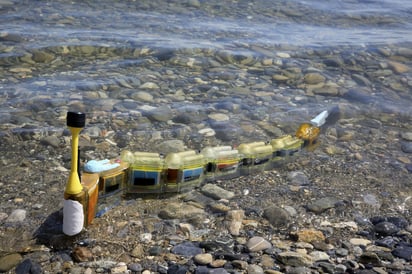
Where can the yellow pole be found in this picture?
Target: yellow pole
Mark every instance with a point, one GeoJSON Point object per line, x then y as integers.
{"type": "Point", "coordinates": [73, 185]}
{"type": "Point", "coordinates": [75, 121]}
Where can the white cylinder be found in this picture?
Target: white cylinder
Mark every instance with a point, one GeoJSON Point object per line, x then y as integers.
{"type": "Point", "coordinates": [320, 119]}
{"type": "Point", "coordinates": [73, 217]}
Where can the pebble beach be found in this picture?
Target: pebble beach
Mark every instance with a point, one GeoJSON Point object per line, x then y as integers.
{"type": "Point", "coordinates": [167, 77]}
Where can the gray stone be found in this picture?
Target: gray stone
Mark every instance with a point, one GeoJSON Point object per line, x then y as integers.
{"type": "Point", "coordinates": [314, 78]}
{"type": "Point", "coordinates": [254, 269]}
{"type": "Point", "coordinates": [406, 147]}
{"type": "Point", "coordinates": [216, 192]}
{"type": "Point", "coordinates": [218, 117]}
{"type": "Point", "coordinates": [322, 204]}
{"type": "Point", "coordinates": [407, 136]}
{"type": "Point", "coordinates": [370, 258]}
{"type": "Point", "coordinates": [319, 256]}
{"type": "Point", "coordinates": [161, 114]}
{"type": "Point", "coordinates": [18, 215]}
{"type": "Point", "coordinates": [234, 219]}
{"type": "Point", "coordinates": [142, 96]}
{"type": "Point", "coordinates": [257, 244]}
{"type": "Point", "coordinates": [406, 52]}
{"type": "Point", "coordinates": [277, 216]}
{"type": "Point", "coordinates": [298, 178]}
{"type": "Point", "coordinates": [188, 249]}
{"type": "Point", "coordinates": [171, 146]}
{"type": "Point", "coordinates": [180, 211]}
{"type": "Point", "coordinates": [52, 141]}
{"type": "Point", "coordinates": [292, 258]}
{"type": "Point", "coordinates": [28, 266]}
{"type": "Point", "coordinates": [361, 80]}
{"type": "Point", "coordinates": [386, 228]}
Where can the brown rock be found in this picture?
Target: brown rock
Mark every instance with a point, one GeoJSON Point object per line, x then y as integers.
{"type": "Point", "coordinates": [203, 259]}
{"type": "Point", "coordinates": [218, 263]}
{"type": "Point", "coordinates": [234, 220]}
{"type": "Point", "coordinates": [9, 261]}
{"type": "Point", "coordinates": [313, 78]}
{"type": "Point", "coordinates": [309, 236]}
{"type": "Point", "coordinates": [294, 259]}
{"type": "Point", "coordinates": [82, 254]}
{"type": "Point", "coordinates": [398, 67]}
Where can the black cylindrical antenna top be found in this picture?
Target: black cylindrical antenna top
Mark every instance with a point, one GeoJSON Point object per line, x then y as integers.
{"type": "Point", "coordinates": [76, 119]}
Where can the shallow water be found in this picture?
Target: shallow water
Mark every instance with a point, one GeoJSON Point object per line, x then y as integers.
{"type": "Point", "coordinates": [97, 55]}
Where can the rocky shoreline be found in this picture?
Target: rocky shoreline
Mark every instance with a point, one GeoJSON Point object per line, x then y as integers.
{"type": "Point", "coordinates": [343, 208]}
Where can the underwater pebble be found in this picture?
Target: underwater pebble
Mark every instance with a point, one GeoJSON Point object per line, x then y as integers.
{"type": "Point", "coordinates": [207, 132]}
{"type": "Point", "coordinates": [247, 98]}
{"type": "Point", "coordinates": [406, 147]}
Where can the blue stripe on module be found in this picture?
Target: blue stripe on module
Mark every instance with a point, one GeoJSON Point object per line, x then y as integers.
{"type": "Point", "coordinates": [192, 174]}
{"type": "Point", "coordinates": [153, 176]}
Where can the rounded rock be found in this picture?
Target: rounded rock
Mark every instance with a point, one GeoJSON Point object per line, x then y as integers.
{"type": "Point", "coordinates": [203, 259]}
{"type": "Point", "coordinates": [406, 147]}
{"type": "Point", "coordinates": [9, 261]}
{"type": "Point", "coordinates": [314, 78]}
{"type": "Point", "coordinates": [386, 228]}
{"type": "Point", "coordinates": [218, 117]}
{"type": "Point", "coordinates": [257, 244]}
{"type": "Point", "coordinates": [142, 96]}
{"type": "Point", "coordinates": [277, 216]}
{"type": "Point", "coordinates": [359, 241]}
{"type": "Point", "coordinates": [407, 136]}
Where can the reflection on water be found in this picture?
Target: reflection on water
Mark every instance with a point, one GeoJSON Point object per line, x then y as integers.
{"type": "Point", "coordinates": [279, 58]}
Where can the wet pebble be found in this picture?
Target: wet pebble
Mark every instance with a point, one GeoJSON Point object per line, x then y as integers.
{"type": "Point", "coordinates": [235, 218]}
{"type": "Point", "coordinates": [9, 261]}
{"type": "Point", "coordinates": [180, 211]}
{"type": "Point", "coordinates": [218, 117]}
{"type": "Point", "coordinates": [322, 204]}
{"type": "Point", "coordinates": [292, 258]}
{"type": "Point", "coordinates": [52, 141]}
{"type": "Point", "coordinates": [188, 249]}
{"type": "Point", "coordinates": [309, 235]}
{"type": "Point", "coordinates": [403, 251]}
{"type": "Point", "coordinates": [406, 147]}
{"type": "Point", "coordinates": [370, 258]}
{"type": "Point", "coordinates": [407, 136]}
{"type": "Point", "coordinates": [314, 78]}
{"type": "Point", "coordinates": [278, 217]}
{"type": "Point", "coordinates": [216, 192]}
{"type": "Point", "coordinates": [257, 243]}
{"type": "Point", "coordinates": [28, 266]}
{"type": "Point", "coordinates": [360, 241]}
{"type": "Point", "coordinates": [398, 67]}
{"type": "Point", "coordinates": [203, 259]}
{"type": "Point", "coordinates": [142, 96]}
{"type": "Point", "coordinates": [82, 254]}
